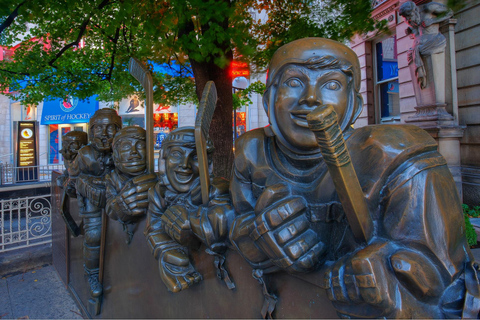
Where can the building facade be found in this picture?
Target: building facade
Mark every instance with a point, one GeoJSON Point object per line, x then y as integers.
{"type": "Point", "coordinates": [389, 94]}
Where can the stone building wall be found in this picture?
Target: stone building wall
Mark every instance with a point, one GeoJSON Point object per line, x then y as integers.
{"type": "Point", "coordinates": [467, 36]}
{"type": "Point", "coordinates": [5, 130]}
{"type": "Point", "coordinates": [467, 53]}
{"type": "Point", "coordinates": [257, 117]}
{"type": "Point", "coordinates": [467, 46]}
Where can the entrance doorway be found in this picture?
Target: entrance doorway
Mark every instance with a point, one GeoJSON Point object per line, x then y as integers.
{"type": "Point", "coordinates": [57, 131]}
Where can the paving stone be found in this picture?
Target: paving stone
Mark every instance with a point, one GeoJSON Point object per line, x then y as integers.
{"type": "Point", "coordinates": [40, 294]}
{"type": "Point", "coordinates": [5, 305]}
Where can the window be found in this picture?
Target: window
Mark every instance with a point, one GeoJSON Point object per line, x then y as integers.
{"type": "Point", "coordinates": [56, 132]}
{"type": "Point", "coordinates": [386, 81]}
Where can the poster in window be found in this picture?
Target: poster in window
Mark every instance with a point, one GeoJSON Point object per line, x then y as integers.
{"type": "Point", "coordinates": [53, 143]}
{"type": "Point", "coordinates": [131, 106]}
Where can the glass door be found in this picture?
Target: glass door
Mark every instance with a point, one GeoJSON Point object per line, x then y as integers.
{"type": "Point", "coordinates": [57, 131]}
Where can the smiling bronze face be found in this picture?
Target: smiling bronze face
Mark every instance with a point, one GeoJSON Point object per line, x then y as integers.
{"type": "Point", "coordinates": [129, 151]}
{"type": "Point", "coordinates": [130, 156]}
{"type": "Point", "coordinates": [300, 90]}
{"type": "Point", "coordinates": [303, 74]}
{"type": "Point", "coordinates": [181, 167]}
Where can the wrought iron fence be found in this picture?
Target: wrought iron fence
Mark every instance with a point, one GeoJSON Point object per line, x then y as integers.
{"type": "Point", "coordinates": [9, 174]}
{"type": "Point", "coordinates": [25, 222]}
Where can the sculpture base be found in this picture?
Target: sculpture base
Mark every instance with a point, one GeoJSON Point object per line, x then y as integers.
{"type": "Point", "coordinates": [133, 288]}
{"type": "Point", "coordinates": [94, 306]}
{"type": "Point", "coordinates": [431, 116]}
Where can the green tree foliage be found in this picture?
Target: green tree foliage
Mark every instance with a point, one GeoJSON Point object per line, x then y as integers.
{"type": "Point", "coordinates": [242, 97]}
{"type": "Point", "coordinates": [82, 47]}
{"type": "Point", "coordinates": [468, 213]}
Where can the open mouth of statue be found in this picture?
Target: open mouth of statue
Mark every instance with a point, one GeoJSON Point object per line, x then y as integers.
{"type": "Point", "coordinates": [300, 118]}
{"type": "Point", "coordinates": [184, 176]}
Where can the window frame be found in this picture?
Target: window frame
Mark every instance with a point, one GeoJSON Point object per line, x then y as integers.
{"type": "Point", "coordinates": [376, 87]}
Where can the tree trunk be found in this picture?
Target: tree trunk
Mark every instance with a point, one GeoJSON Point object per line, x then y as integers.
{"type": "Point", "coordinates": [221, 129]}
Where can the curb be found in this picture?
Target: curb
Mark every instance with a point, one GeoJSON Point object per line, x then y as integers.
{"type": "Point", "coordinates": [22, 260]}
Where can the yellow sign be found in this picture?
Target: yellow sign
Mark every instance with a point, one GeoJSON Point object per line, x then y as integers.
{"type": "Point", "coordinates": [26, 144]}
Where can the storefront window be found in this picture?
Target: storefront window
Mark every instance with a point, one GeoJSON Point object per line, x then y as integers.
{"type": "Point", "coordinates": [386, 81]}
{"type": "Point", "coordinates": [163, 123]}
{"type": "Point", "coordinates": [240, 123]}
{"type": "Point", "coordinates": [165, 120]}
{"type": "Point", "coordinates": [56, 132]}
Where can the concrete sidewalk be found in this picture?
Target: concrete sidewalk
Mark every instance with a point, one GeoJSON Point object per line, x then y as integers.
{"type": "Point", "coordinates": [36, 294]}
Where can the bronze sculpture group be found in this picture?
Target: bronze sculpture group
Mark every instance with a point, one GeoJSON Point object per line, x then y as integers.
{"type": "Point", "coordinates": [374, 210]}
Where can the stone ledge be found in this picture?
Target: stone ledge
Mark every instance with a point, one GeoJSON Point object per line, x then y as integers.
{"type": "Point", "coordinates": [21, 260]}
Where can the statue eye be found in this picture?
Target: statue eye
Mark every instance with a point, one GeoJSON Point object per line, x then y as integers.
{"type": "Point", "coordinates": [125, 146]}
{"type": "Point", "coordinates": [195, 158]}
{"type": "Point", "coordinates": [111, 130]}
{"type": "Point", "coordinates": [141, 145]}
{"type": "Point", "coordinates": [294, 83]}
{"type": "Point", "coordinates": [176, 154]}
{"type": "Point", "coordinates": [332, 85]}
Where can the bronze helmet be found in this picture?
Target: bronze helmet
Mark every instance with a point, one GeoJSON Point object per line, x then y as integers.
{"type": "Point", "coordinates": [130, 132]}
{"type": "Point", "coordinates": [105, 113]}
{"type": "Point", "coordinates": [325, 53]}
{"type": "Point", "coordinates": [184, 136]}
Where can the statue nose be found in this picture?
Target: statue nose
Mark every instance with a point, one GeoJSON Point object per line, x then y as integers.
{"type": "Point", "coordinates": [134, 150]}
{"type": "Point", "coordinates": [310, 97]}
{"type": "Point", "coordinates": [185, 162]}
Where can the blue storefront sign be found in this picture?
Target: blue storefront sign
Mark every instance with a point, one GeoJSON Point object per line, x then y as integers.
{"type": "Point", "coordinates": [70, 110]}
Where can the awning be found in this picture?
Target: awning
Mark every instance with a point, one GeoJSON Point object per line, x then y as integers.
{"type": "Point", "coordinates": [67, 111]}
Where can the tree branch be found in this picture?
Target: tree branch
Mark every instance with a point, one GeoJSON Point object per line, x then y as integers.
{"type": "Point", "coordinates": [124, 32]}
{"type": "Point", "coordinates": [103, 32]}
{"type": "Point", "coordinates": [13, 72]}
{"type": "Point", "coordinates": [82, 29]}
{"type": "Point", "coordinates": [112, 61]}
{"type": "Point", "coordinates": [8, 22]}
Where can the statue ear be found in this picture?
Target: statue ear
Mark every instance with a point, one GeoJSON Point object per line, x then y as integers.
{"type": "Point", "coordinates": [358, 106]}
{"type": "Point", "coordinates": [114, 155]}
{"type": "Point", "coordinates": [265, 100]}
{"type": "Point", "coordinates": [269, 97]}
{"type": "Point", "coordinates": [161, 163]}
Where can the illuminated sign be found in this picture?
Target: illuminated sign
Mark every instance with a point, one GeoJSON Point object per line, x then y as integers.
{"type": "Point", "coordinates": [70, 110]}
{"type": "Point", "coordinates": [239, 69]}
{"type": "Point", "coordinates": [240, 73]}
{"type": "Point", "coordinates": [27, 151]}
{"type": "Point", "coordinates": [237, 65]}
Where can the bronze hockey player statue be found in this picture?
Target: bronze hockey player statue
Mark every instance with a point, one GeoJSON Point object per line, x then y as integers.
{"type": "Point", "coordinates": [128, 184]}
{"type": "Point", "coordinates": [176, 222]}
{"type": "Point", "coordinates": [72, 141]}
{"type": "Point", "coordinates": [389, 243]}
{"type": "Point", "coordinates": [90, 167]}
